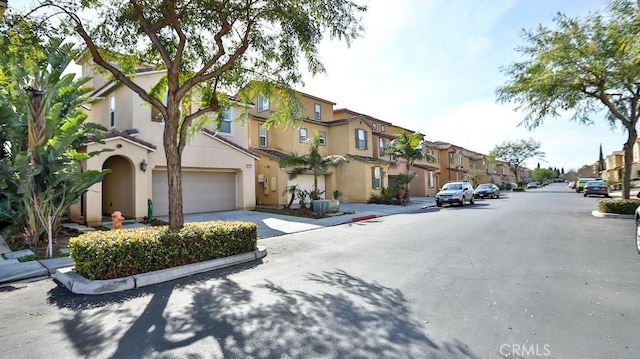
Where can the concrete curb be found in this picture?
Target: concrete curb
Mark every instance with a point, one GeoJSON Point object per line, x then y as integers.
{"type": "Point", "coordinates": [80, 285]}
{"type": "Point", "coordinates": [599, 214]}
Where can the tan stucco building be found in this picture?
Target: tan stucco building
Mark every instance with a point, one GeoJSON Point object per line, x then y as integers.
{"type": "Point", "coordinates": [218, 169]}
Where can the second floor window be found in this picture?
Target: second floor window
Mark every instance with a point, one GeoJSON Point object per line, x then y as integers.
{"type": "Point", "coordinates": [382, 128]}
{"type": "Point", "coordinates": [374, 126]}
{"type": "Point", "coordinates": [112, 111]}
{"type": "Point", "coordinates": [262, 137]}
{"type": "Point", "coordinates": [263, 103]}
{"type": "Point", "coordinates": [323, 138]}
{"type": "Point", "coordinates": [303, 134]}
{"type": "Point", "coordinates": [460, 161]}
{"type": "Point", "coordinates": [361, 139]}
{"type": "Point", "coordinates": [382, 146]}
{"type": "Point", "coordinates": [316, 111]}
{"type": "Point", "coordinates": [225, 124]}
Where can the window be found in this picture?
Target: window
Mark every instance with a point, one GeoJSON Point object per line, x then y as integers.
{"type": "Point", "coordinates": [316, 111]}
{"type": "Point", "coordinates": [262, 137]}
{"type": "Point", "coordinates": [430, 156]}
{"type": "Point", "coordinates": [376, 177]}
{"type": "Point", "coordinates": [460, 161]}
{"type": "Point", "coordinates": [431, 180]}
{"type": "Point", "coordinates": [323, 138]}
{"type": "Point", "coordinates": [450, 158]}
{"type": "Point", "coordinates": [263, 103]}
{"type": "Point", "coordinates": [472, 164]}
{"type": "Point", "coordinates": [303, 134]}
{"type": "Point", "coordinates": [112, 111]}
{"type": "Point", "coordinates": [361, 139]}
{"type": "Point", "coordinates": [374, 126]}
{"type": "Point", "coordinates": [382, 128]}
{"type": "Point", "coordinates": [225, 124]}
{"type": "Point", "coordinates": [156, 116]}
{"type": "Point", "coordinates": [382, 146]}
{"type": "Point", "coordinates": [86, 70]}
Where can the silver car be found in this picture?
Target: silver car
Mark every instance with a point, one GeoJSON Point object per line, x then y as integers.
{"type": "Point", "coordinates": [455, 193]}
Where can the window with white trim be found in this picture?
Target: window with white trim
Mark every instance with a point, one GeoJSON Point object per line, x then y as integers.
{"type": "Point", "coordinates": [376, 177]}
{"type": "Point", "coordinates": [263, 103]}
{"type": "Point", "coordinates": [382, 146]}
{"type": "Point", "coordinates": [225, 123]}
{"type": "Point", "coordinates": [374, 126]}
{"type": "Point", "coordinates": [460, 161]}
{"type": "Point", "coordinates": [323, 138]}
{"type": "Point", "coordinates": [316, 111]}
{"type": "Point", "coordinates": [361, 139]}
{"type": "Point", "coordinates": [112, 111]}
{"type": "Point", "coordinates": [431, 179]}
{"type": "Point", "coordinates": [382, 128]}
{"type": "Point", "coordinates": [262, 136]}
{"type": "Point", "coordinates": [303, 135]}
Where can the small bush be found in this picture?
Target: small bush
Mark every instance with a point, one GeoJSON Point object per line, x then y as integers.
{"type": "Point", "coordinates": [121, 253]}
{"type": "Point", "coordinates": [618, 206]}
{"type": "Point", "coordinates": [518, 189]}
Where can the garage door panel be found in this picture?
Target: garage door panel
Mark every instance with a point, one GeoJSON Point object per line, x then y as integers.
{"type": "Point", "coordinates": [201, 192]}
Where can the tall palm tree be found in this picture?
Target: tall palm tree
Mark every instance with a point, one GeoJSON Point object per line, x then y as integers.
{"type": "Point", "coordinates": [407, 145]}
{"type": "Point", "coordinates": [312, 162]}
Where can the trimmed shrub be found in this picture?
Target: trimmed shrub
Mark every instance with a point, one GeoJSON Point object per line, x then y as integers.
{"type": "Point", "coordinates": [618, 206]}
{"type": "Point", "coordinates": [121, 253]}
{"type": "Point", "coordinates": [518, 189]}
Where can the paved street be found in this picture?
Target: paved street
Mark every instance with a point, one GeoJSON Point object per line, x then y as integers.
{"type": "Point", "coordinates": [530, 274]}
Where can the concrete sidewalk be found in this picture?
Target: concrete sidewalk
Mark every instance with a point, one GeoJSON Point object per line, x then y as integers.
{"type": "Point", "coordinates": [269, 225]}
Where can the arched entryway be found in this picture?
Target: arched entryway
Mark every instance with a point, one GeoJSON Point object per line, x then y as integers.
{"type": "Point", "coordinates": [118, 187]}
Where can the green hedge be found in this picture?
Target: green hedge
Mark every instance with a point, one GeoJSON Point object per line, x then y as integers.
{"type": "Point", "coordinates": [121, 253]}
{"type": "Point", "coordinates": [618, 206]}
{"type": "Point", "coordinates": [518, 189]}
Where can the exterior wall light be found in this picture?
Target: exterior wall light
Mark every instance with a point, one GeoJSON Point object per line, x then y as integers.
{"type": "Point", "coordinates": [143, 166]}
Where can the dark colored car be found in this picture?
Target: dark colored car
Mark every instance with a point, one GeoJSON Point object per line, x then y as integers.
{"type": "Point", "coordinates": [598, 188]}
{"type": "Point", "coordinates": [487, 190]}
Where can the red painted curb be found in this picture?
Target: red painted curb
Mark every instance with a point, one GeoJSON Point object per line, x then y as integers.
{"type": "Point", "coordinates": [363, 218]}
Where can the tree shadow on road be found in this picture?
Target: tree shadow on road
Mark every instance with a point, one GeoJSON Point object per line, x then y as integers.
{"type": "Point", "coordinates": [348, 317]}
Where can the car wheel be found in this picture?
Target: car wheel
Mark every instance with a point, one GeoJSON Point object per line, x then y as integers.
{"type": "Point", "coordinates": [462, 202]}
{"type": "Point", "coordinates": [498, 195]}
{"type": "Point", "coordinates": [438, 204]}
{"type": "Point", "coordinates": [638, 235]}
{"type": "Point", "coordinates": [584, 195]}
{"type": "Point", "coordinates": [472, 201]}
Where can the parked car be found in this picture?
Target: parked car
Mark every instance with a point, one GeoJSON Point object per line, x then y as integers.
{"type": "Point", "coordinates": [572, 185]}
{"type": "Point", "coordinates": [455, 193]}
{"type": "Point", "coordinates": [532, 185]}
{"type": "Point", "coordinates": [487, 190]}
{"type": "Point", "coordinates": [637, 215]}
{"type": "Point", "coordinates": [598, 188]}
{"type": "Point", "coordinates": [583, 181]}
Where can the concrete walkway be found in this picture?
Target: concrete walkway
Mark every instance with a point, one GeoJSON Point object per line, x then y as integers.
{"type": "Point", "coordinates": [269, 225]}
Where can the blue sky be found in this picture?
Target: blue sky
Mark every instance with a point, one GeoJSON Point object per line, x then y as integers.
{"type": "Point", "coordinates": [433, 66]}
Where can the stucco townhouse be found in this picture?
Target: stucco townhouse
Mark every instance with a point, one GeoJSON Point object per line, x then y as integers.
{"type": "Point", "coordinates": [218, 169]}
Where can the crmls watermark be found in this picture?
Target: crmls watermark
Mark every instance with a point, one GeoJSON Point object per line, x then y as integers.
{"type": "Point", "coordinates": [525, 350]}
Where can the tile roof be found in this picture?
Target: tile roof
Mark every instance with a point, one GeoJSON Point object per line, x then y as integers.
{"type": "Point", "coordinates": [271, 153]}
{"type": "Point", "coordinates": [426, 167]}
{"type": "Point", "coordinates": [221, 138]}
{"type": "Point", "coordinates": [367, 159]}
{"type": "Point", "coordinates": [114, 133]}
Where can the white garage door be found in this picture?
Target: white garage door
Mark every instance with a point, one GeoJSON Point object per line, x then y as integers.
{"type": "Point", "coordinates": [201, 192]}
{"type": "Point", "coordinates": [306, 183]}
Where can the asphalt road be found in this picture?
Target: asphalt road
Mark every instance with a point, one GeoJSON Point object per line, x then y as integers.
{"type": "Point", "coordinates": [527, 275]}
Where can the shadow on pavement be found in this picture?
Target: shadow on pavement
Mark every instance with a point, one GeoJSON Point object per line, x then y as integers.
{"type": "Point", "coordinates": [348, 317]}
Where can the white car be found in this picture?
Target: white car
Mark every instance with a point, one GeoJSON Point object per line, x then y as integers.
{"type": "Point", "coordinates": [455, 193]}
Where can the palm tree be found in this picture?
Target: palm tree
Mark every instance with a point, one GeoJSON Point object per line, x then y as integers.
{"type": "Point", "coordinates": [312, 162]}
{"type": "Point", "coordinates": [408, 146]}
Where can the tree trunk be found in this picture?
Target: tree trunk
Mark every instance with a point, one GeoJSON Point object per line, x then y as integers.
{"type": "Point", "coordinates": [628, 160]}
{"type": "Point", "coordinates": [174, 176]}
